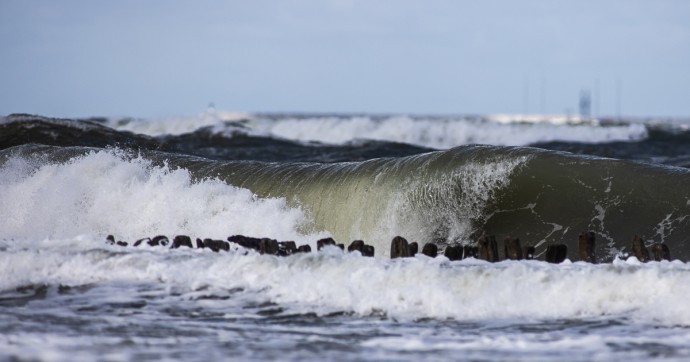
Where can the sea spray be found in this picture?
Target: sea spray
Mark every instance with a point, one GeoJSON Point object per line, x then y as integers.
{"type": "Point", "coordinates": [104, 192]}
{"type": "Point", "coordinates": [65, 294]}
{"type": "Point", "coordinates": [423, 197]}
{"type": "Point", "coordinates": [543, 197]}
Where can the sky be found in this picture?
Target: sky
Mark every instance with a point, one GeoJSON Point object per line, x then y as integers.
{"type": "Point", "coordinates": [158, 58]}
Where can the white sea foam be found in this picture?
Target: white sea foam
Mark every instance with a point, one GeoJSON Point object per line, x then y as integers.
{"type": "Point", "coordinates": [442, 133]}
{"type": "Point", "coordinates": [406, 289]}
{"type": "Point", "coordinates": [436, 132]}
{"type": "Point", "coordinates": [178, 125]}
{"type": "Point", "coordinates": [105, 192]}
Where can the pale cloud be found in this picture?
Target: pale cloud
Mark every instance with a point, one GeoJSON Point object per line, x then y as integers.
{"type": "Point", "coordinates": [154, 57]}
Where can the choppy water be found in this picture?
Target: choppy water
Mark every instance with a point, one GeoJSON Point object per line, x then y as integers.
{"type": "Point", "coordinates": [67, 295]}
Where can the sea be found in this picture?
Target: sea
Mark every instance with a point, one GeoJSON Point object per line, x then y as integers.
{"type": "Point", "coordinates": [67, 293]}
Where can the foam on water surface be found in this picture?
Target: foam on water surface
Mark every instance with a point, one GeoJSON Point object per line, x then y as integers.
{"type": "Point", "coordinates": [177, 125]}
{"type": "Point", "coordinates": [129, 303]}
{"type": "Point", "coordinates": [443, 133]}
{"type": "Point", "coordinates": [66, 295]}
{"type": "Point", "coordinates": [54, 218]}
{"type": "Point", "coordinates": [108, 192]}
{"type": "Point", "coordinates": [332, 281]}
{"type": "Point", "coordinates": [432, 132]}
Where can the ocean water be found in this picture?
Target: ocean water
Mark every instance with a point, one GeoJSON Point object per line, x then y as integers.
{"type": "Point", "coordinates": [67, 295]}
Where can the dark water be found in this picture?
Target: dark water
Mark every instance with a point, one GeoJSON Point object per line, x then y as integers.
{"type": "Point", "coordinates": [67, 295]}
{"type": "Point", "coordinates": [662, 143]}
{"type": "Point", "coordinates": [447, 197]}
{"type": "Point", "coordinates": [194, 330]}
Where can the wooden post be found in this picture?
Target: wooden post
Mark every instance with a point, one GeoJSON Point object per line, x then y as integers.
{"type": "Point", "coordinates": [368, 250]}
{"type": "Point", "coordinates": [453, 252]}
{"type": "Point", "coordinates": [469, 251]}
{"type": "Point", "coordinates": [661, 252]}
{"type": "Point", "coordinates": [287, 248]}
{"type": "Point", "coordinates": [556, 253]}
{"type": "Point", "coordinates": [413, 248]}
{"type": "Point", "coordinates": [639, 249]}
{"type": "Point", "coordinates": [399, 248]}
{"type": "Point", "coordinates": [181, 240]}
{"type": "Point", "coordinates": [587, 243]}
{"type": "Point", "coordinates": [512, 248]}
{"type": "Point", "coordinates": [268, 246]}
{"type": "Point", "coordinates": [488, 250]}
{"type": "Point", "coordinates": [323, 242]}
{"type": "Point", "coordinates": [356, 245]}
{"type": "Point", "coordinates": [246, 241]}
{"type": "Point", "coordinates": [430, 249]}
{"type": "Point", "coordinates": [304, 249]}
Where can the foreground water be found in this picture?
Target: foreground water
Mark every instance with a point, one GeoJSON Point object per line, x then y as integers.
{"type": "Point", "coordinates": [79, 300]}
{"type": "Point", "coordinates": [67, 295]}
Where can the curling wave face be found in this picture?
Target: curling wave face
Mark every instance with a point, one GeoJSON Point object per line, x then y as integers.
{"type": "Point", "coordinates": [445, 196]}
{"type": "Point", "coordinates": [65, 185]}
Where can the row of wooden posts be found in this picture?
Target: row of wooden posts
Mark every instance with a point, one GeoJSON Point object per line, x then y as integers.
{"type": "Point", "coordinates": [486, 247]}
{"type": "Point", "coordinates": [262, 245]}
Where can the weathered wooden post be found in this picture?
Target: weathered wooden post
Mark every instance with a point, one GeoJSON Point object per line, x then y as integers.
{"type": "Point", "coordinates": [323, 242]}
{"type": "Point", "coordinates": [488, 249]}
{"type": "Point", "coordinates": [140, 241]}
{"type": "Point", "coordinates": [556, 253]}
{"type": "Point", "coordinates": [453, 252]}
{"type": "Point", "coordinates": [356, 245]}
{"type": "Point", "coordinates": [216, 245]}
{"type": "Point", "coordinates": [304, 249]}
{"type": "Point", "coordinates": [287, 248]}
{"type": "Point", "coordinates": [587, 243]}
{"type": "Point", "coordinates": [268, 246]}
{"type": "Point", "coordinates": [661, 252]}
{"type": "Point", "coordinates": [413, 248]}
{"type": "Point", "coordinates": [363, 248]}
{"type": "Point", "coordinates": [512, 248]}
{"type": "Point", "coordinates": [469, 251]}
{"type": "Point", "coordinates": [181, 240]}
{"type": "Point", "coordinates": [161, 240]}
{"type": "Point", "coordinates": [246, 241]}
{"type": "Point", "coordinates": [368, 250]}
{"type": "Point", "coordinates": [639, 249]}
{"type": "Point", "coordinates": [430, 250]}
{"type": "Point", "coordinates": [399, 248]}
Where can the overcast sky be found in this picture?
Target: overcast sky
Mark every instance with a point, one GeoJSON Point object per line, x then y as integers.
{"type": "Point", "coordinates": [165, 58]}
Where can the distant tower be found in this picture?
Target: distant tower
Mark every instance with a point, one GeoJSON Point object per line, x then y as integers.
{"type": "Point", "coordinates": [585, 104]}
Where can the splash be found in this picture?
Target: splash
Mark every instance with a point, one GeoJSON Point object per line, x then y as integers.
{"type": "Point", "coordinates": [111, 192]}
